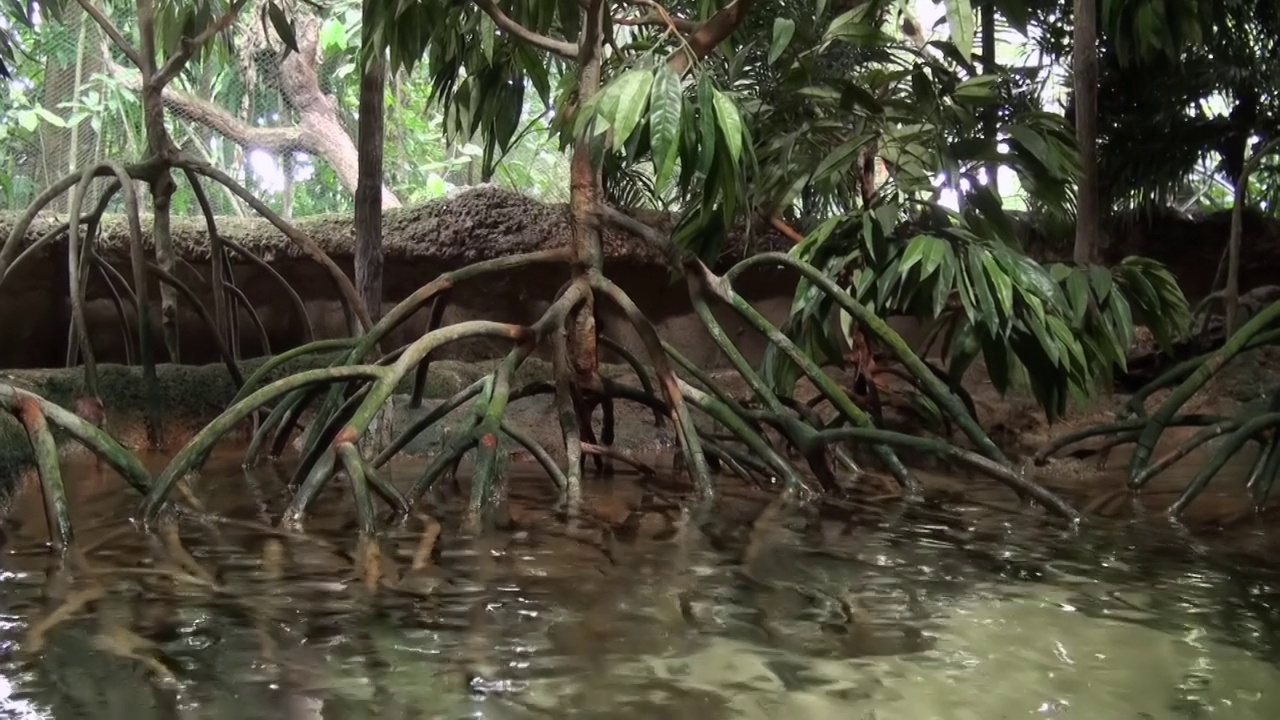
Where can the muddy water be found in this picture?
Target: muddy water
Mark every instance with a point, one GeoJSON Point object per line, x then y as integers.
{"type": "Point", "coordinates": [639, 611]}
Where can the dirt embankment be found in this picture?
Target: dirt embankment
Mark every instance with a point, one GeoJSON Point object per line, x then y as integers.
{"type": "Point", "coordinates": [423, 241]}
{"type": "Point", "coordinates": [420, 243]}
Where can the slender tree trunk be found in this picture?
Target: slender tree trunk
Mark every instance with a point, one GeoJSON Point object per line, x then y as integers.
{"type": "Point", "coordinates": [992, 120]}
{"type": "Point", "coordinates": [584, 193]}
{"type": "Point", "coordinates": [162, 187]}
{"type": "Point", "coordinates": [368, 255]}
{"type": "Point", "coordinates": [1231, 293]}
{"type": "Point", "coordinates": [1084, 64]}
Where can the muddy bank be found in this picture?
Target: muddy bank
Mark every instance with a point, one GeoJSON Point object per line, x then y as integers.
{"type": "Point", "coordinates": [421, 242]}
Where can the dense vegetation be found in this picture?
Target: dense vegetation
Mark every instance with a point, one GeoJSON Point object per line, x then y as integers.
{"type": "Point", "coordinates": [836, 124]}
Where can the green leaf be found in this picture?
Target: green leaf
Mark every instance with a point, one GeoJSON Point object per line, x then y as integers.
{"type": "Point", "coordinates": [1001, 282]}
{"type": "Point", "coordinates": [978, 89]}
{"type": "Point", "coordinates": [730, 124]}
{"type": "Point", "coordinates": [666, 103]}
{"type": "Point", "coordinates": [845, 155]}
{"type": "Point", "coordinates": [50, 118]}
{"type": "Point", "coordinates": [488, 31]}
{"type": "Point", "coordinates": [1100, 278]}
{"type": "Point", "coordinates": [783, 30]}
{"type": "Point", "coordinates": [333, 36]}
{"type": "Point", "coordinates": [1078, 295]}
{"type": "Point", "coordinates": [923, 249]}
{"type": "Point", "coordinates": [961, 19]}
{"type": "Point", "coordinates": [707, 126]}
{"type": "Point", "coordinates": [627, 98]}
{"type": "Point", "coordinates": [1033, 142]}
{"type": "Point", "coordinates": [28, 120]}
{"type": "Point", "coordinates": [282, 26]}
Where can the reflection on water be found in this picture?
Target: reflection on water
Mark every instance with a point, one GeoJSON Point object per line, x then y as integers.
{"type": "Point", "coordinates": [638, 612]}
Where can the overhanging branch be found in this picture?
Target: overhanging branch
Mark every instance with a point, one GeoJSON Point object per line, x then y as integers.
{"type": "Point", "coordinates": [190, 47]}
{"type": "Point", "coordinates": [709, 34]}
{"type": "Point", "coordinates": [112, 32]}
{"type": "Point", "coordinates": [505, 23]}
{"type": "Point", "coordinates": [222, 122]}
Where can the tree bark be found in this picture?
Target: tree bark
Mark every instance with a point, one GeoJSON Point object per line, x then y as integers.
{"type": "Point", "coordinates": [369, 188]}
{"type": "Point", "coordinates": [320, 119]}
{"type": "Point", "coordinates": [1084, 65]}
{"type": "Point", "coordinates": [584, 194]}
{"type": "Point", "coordinates": [991, 123]}
{"type": "Point", "coordinates": [320, 131]}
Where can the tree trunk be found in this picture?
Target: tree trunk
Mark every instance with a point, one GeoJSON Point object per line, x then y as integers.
{"type": "Point", "coordinates": [584, 193]}
{"type": "Point", "coordinates": [1231, 292]}
{"type": "Point", "coordinates": [991, 122]}
{"type": "Point", "coordinates": [368, 260]}
{"type": "Point", "coordinates": [319, 132]}
{"type": "Point", "coordinates": [320, 124]}
{"type": "Point", "coordinates": [1084, 65]}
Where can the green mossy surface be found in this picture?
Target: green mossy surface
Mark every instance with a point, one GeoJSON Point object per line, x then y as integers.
{"type": "Point", "coordinates": [190, 396]}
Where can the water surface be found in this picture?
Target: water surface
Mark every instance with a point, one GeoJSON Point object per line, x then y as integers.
{"type": "Point", "coordinates": [640, 611]}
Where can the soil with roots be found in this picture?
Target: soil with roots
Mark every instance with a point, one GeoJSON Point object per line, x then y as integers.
{"type": "Point", "coordinates": [481, 224]}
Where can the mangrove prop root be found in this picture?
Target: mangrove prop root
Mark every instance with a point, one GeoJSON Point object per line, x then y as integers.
{"type": "Point", "coordinates": [436, 316]}
{"type": "Point", "coordinates": [488, 468]}
{"type": "Point", "coordinates": [539, 453]}
{"type": "Point", "coordinates": [637, 367]}
{"type": "Point", "coordinates": [721, 289]}
{"type": "Point", "coordinates": [690, 444]}
{"type": "Point", "coordinates": [1209, 433]}
{"type": "Point", "coordinates": [405, 309]}
{"type": "Point", "coordinates": [46, 456]}
{"type": "Point", "coordinates": [1229, 447]}
{"type": "Point", "coordinates": [167, 279]}
{"type": "Point", "coordinates": [1023, 486]}
{"type": "Point", "coordinates": [386, 490]}
{"type": "Point", "coordinates": [98, 442]}
{"type": "Point", "coordinates": [721, 413]}
{"type": "Point", "coordinates": [1267, 477]}
{"type": "Point", "coordinates": [199, 447]}
{"type": "Point", "coordinates": [355, 469]}
{"type": "Point", "coordinates": [420, 425]}
{"type": "Point", "coordinates": [1136, 405]}
{"type": "Point", "coordinates": [299, 308]}
{"type": "Point", "coordinates": [568, 417]}
{"type": "Point", "coordinates": [320, 474]}
{"type": "Point", "coordinates": [352, 303]}
{"type": "Point", "coordinates": [1155, 427]}
{"type": "Point", "coordinates": [451, 454]}
{"type": "Point", "coordinates": [1116, 428]}
{"type": "Point", "coordinates": [935, 388]}
{"type": "Point", "coordinates": [621, 456]}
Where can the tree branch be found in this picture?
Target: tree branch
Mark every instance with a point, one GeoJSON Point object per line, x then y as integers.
{"type": "Point", "coordinates": [655, 19]}
{"type": "Point", "coordinates": [112, 32]}
{"type": "Point", "coordinates": [557, 47]}
{"type": "Point", "coordinates": [190, 47]}
{"type": "Point", "coordinates": [651, 235]}
{"type": "Point", "coordinates": [709, 34]}
{"type": "Point", "coordinates": [220, 121]}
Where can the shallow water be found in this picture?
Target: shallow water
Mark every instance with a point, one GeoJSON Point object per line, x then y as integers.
{"type": "Point", "coordinates": [900, 613]}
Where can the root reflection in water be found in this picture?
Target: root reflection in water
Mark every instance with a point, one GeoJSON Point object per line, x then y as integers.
{"type": "Point", "coordinates": [636, 609]}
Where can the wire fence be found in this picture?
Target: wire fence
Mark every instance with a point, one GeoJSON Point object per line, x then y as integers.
{"type": "Point", "coordinates": [284, 126]}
